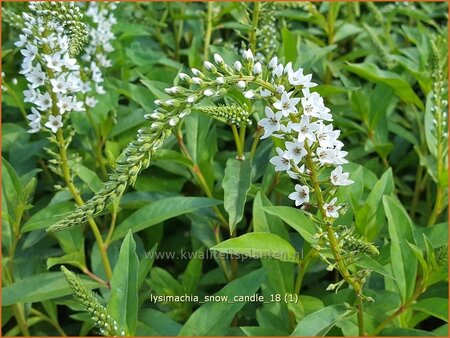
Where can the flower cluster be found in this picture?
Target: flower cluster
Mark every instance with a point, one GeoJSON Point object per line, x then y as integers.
{"type": "Point", "coordinates": [303, 122]}
{"type": "Point", "coordinates": [95, 56]}
{"type": "Point", "coordinates": [106, 324]}
{"type": "Point", "coordinates": [53, 76]}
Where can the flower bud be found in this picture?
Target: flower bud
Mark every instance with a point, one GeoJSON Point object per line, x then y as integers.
{"type": "Point", "coordinates": [208, 92]}
{"type": "Point", "coordinates": [248, 55]}
{"type": "Point", "coordinates": [218, 59]}
{"type": "Point", "coordinates": [273, 62]}
{"type": "Point", "coordinates": [238, 66]}
{"type": "Point", "coordinates": [257, 69]}
{"type": "Point", "coordinates": [242, 84]}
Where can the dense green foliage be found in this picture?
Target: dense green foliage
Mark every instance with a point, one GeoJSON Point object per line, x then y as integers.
{"type": "Point", "coordinates": [197, 209]}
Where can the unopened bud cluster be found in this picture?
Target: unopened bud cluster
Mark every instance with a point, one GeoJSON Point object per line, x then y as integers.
{"type": "Point", "coordinates": [232, 115]}
{"type": "Point", "coordinates": [69, 17]}
{"type": "Point", "coordinates": [106, 324]}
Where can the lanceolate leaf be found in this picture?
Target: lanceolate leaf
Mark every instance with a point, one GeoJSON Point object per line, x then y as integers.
{"type": "Point", "coordinates": [320, 322]}
{"type": "Point", "coordinates": [160, 211]}
{"type": "Point", "coordinates": [236, 183]}
{"type": "Point", "coordinates": [259, 245]}
{"type": "Point", "coordinates": [123, 304]}
{"type": "Point", "coordinates": [404, 264]}
{"type": "Point", "coordinates": [214, 317]}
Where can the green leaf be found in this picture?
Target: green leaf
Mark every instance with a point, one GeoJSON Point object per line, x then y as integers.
{"type": "Point", "coordinates": [214, 318]}
{"type": "Point", "coordinates": [155, 323]}
{"type": "Point", "coordinates": [40, 287]}
{"type": "Point", "coordinates": [279, 274]}
{"type": "Point", "coordinates": [192, 274]}
{"type": "Point", "coordinates": [145, 265]}
{"type": "Point", "coordinates": [369, 219]}
{"type": "Point", "coordinates": [402, 88]}
{"type": "Point", "coordinates": [320, 322]}
{"type": "Point", "coordinates": [296, 219]}
{"type": "Point", "coordinates": [123, 304]}
{"type": "Point", "coordinates": [75, 259]}
{"type": "Point", "coordinates": [404, 265]}
{"type": "Point", "coordinates": [48, 216]}
{"type": "Point", "coordinates": [259, 245]}
{"type": "Point", "coordinates": [434, 306]}
{"type": "Point", "coordinates": [89, 177]}
{"type": "Point", "coordinates": [236, 184]}
{"type": "Point", "coordinates": [160, 211]}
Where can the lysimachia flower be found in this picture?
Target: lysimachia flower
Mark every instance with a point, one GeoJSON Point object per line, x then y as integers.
{"type": "Point", "coordinates": [53, 75]}
{"type": "Point", "coordinates": [98, 48]}
{"type": "Point", "coordinates": [294, 113]}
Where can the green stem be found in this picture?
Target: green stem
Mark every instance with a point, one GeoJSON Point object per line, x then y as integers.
{"type": "Point", "coordinates": [438, 206]}
{"type": "Point", "coordinates": [222, 262]}
{"type": "Point", "coordinates": [208, 31]}
{"type": "Point", "coordinates": [77, 197]}
{"type": "Point", "coordinates": [334, 245]}
{"type": "Point", "coordinates": [256, 138]}
{"type": "Point", "coordinates": [418, 291]}
{"type": "Point", "coordinates": [417, 191]}
{"type": "Point", "coordinates": [237, 140]}
{"type": "Point", "coordinates": [196, 171]}
{"type": "Point", "coordinates": [302, 267]}
{"type": "Point", "coordinates": [255, 18]}
{"type": "Point", "coordinates": [55, 324]}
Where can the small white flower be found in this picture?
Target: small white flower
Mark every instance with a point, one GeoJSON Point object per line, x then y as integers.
{"type": "Point", "coordinates": [30, 51]}
{"type": "Point", "coordinates": [288, 68]}
{"type": "Point", "coordinates": [282, 162]}
{"type": "Point", "coordinates": [248, 55]}
{"type": "Point", "coordinates": [327, 137]}
{"type": "Point", "coordinates": [271, 123]}
{"type": "Point", "coordinates": [237, 66]}
{"type": "Point", "coordinates": [257, 69]}
{"type": "Point", "coordinates": [326, 156]}
{"type": "Point", "coordinates": [273, 62]}
{"type": "Point", "coordinates": [91, 101]}
{"type": "Point", "coordinates": [54, 62]}
{"type": "Point", "coordinates": [301, 194]}
{"type": "Point", "coordinates": [218, 59]}
{"type": "Point", "coordinates": [286, 104]}
{"type": "Point", "coordinates": [331, 210]}
{"type": "Point", "coordinates": [59, 84]}
{"type": "Point", "coordinates": [30, 95]}
{"type": "Point", "coordinates": [278, 70]}
{"type": "Point", "coordinates": [36, 77]}
{"type": "Point", "coordinates": [242, 84]}
{"type": "Point", "coordinates": [35, 116]}
{"type": "Point", "coordinates": [54, 123]}
{"type": "Point", "coordinates": [220, 80]}
{"type": "Point", "coordinates": [295, 150]}
{"type": "Point", "coordinates": [64, 104]}
{"type": "Point", "coordinates": [249, 94]}
{"type": "Point", "coordinates": [313, 105]}
{"type": "Point", "coordinates": [280, 89]}
{"type": "Point", "coordinates": [44, 101]}
{"type": "Point", "coordinates": [337, 177]}
{"type": "Point", "coordinates": [265, 93]}
{"type": "Point", "coordinates": [305, 129]}
{"type": "Point", "coordinates": [208, 92]}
